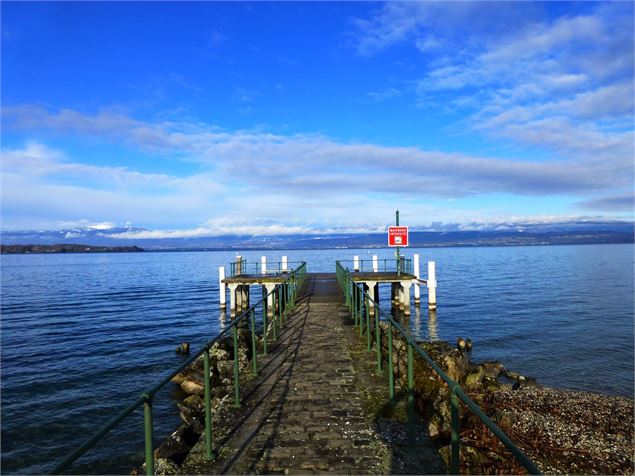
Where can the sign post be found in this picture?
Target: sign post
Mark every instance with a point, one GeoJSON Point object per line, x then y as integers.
{"type": "Point", "coordinates": [397, 237]}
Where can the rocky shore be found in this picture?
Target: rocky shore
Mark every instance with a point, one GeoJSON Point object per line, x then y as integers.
{"type": "Point", "coordinates": [173, 451]}
{"type": "Point", "coordinates": [562, 431]}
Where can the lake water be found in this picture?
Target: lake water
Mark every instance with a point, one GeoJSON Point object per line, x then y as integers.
{"type": "Point", "coordinates": [83, 334]}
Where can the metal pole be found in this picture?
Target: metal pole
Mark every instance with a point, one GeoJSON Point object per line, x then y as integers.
{"type": "Point", "coordinates": [367, 325]}
{"type": "Point", "coordinates": [264, 320]}
{"type": "Point", "coordinates": [360, 309]}
{"type": "Point", "coordinates": [236, 370]}
{"type": "Point", "coordinates": [391, 376]}
{"type": "Point", "coordinates": [208, 407]}
{"type": "Point", "coordinates": [455, 461]}
{"type": "Point", "coordinates": [377, 341]}
{"type": "Point", "coordinates": [147, 425]}
{"type": "Point", "coordinates": [398, 255]}
{"type": "Point", "coordinates": [254, 352]}
{"type": "Point", "coordinates": [411, 395]}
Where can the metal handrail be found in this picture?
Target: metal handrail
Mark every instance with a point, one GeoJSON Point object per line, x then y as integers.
{"type": "Point", "coordinates": [359, 302]}
{"type": "Point", "coordinates": [237, 268]}
{"type": "Point", "coordinates": [383, 265]}
{"type": "Point", "coordinates": [284, 295]}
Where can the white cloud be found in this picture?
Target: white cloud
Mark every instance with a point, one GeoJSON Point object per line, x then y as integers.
{"type": "Point", "coordinates": [41, 183]}
{"type": "Point", "coordinates": [260, 175]}
{"type": "Point", "coordinates": [563, 85]}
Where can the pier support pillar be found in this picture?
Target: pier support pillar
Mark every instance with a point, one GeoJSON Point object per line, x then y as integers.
{"type": "Point", "coordinates": [245, 301]}
{"type": "Point", "coordinates": [233, 291]}
{"type": "Point", "coordinates": [418, 276]}
{"type": "Point", "coordinates": [376, 293]}
{"type": "Point", "coordinates": [370, 290]}
{"type": "Point", "coordinates": [270, 301]}
{"type": "Point", "coordinates": [432, 285]}
{"type": "Point", "coordinates": [239, 300]}
{"type": "Point", "coordinates": [221, 287]}
{"type": "Point", "coordinates": [375, 264]}
{"type": "Point", "coordinates": [405, 297]}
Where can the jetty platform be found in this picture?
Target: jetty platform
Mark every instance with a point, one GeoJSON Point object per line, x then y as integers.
{"type": "Point", "coordinates": [317, 405]}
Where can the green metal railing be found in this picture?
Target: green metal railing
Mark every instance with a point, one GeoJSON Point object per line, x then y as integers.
{"type": "Point", "coordinates": [360, 302]}
{"type": "Point", "coordinates": [243, 267]}
{"type": "Point", "coordinates": [283, 296]}
{"type": "Point", "coordinates": [403, 265]}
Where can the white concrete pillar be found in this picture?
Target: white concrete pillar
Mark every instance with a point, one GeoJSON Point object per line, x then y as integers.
{"type": "Point", "coordinates": [239, 299]}
{"type": "Point", "coordinates": [418, 276]}
{"type": "Point", "coordinates": [239, 265]}
{"type": "Point", "coordinates": [245, 302]}
{"type": "Point", "coordinates": [371, 293]}
{"type": "Point", "coordinates": [269, 287]}
{"type": "Point", "coordinates": [432, 285]}
{"type": "Point", "coordinates": [232, 299]}
{"type": "Point", "coordinates": [263, 264]}
{"type": "Point", "coordinates": [221, 287]}
{"type": "Point", "coordinates": [355, 263]}
{"type": "Point", "coordinates": [284, 264]}
{"type": "Point", "coordinates": [405, 290]}
{"type": "Point", "coordinates": [375, 264]}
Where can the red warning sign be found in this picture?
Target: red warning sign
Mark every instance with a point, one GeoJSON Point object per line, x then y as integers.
{"type": "Point", "coordinates": [397, 236]}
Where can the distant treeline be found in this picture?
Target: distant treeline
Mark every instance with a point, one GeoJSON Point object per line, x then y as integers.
{"type": "Point", "coordinates": [17, 249]}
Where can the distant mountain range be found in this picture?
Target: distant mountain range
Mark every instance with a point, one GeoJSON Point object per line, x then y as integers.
{"type": "Point", "coordinates": [515, 234]}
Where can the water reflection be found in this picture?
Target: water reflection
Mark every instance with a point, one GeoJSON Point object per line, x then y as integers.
{"type": "Point", "coordinates": [222, 318]}
{"type": "Point", "coordinates": [418, 330]}
{"type": "Point", "coordinates": [432, 324]}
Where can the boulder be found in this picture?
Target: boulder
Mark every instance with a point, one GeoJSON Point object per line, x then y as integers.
{"type": "Point", "coordinates": [475, 377]}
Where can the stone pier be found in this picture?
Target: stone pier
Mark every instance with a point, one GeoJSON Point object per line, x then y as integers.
{"type": "Point", "coordinates": [317, 405]}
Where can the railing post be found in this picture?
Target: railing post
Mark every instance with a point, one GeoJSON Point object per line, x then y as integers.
{"type": "Point", "coordinates": [391, 376]}
{"type": "Point", "coordinates": [411, 395]}
{"type": "Point", "coordinates": [236, 369]}
{"type": "Point", "coordinates": [274, 314]}
{"type": "Point", "coordinates": [264, 321]}
{"type": "Point", "coordinates": [367, 314]}
{"type": "Point", "coordinates": [377, 341]}
{"type": "Point", "coordinates": [360, 309]}
{"type": "Point", "coordinates": [208, 407]}
{"type": "Point", "coordinates": [147, 426]}
{"type": "Point", "coordinates": [283, 305]}
{"type": "Point", "coordinates": [454, 403]}
{"type": "Point", "coordinates": [254, 352]}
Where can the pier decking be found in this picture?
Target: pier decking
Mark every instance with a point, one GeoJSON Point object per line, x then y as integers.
{"type": "Point", "coordinates": [317, 406]}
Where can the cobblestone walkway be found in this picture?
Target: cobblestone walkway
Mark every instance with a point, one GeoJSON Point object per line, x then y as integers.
{"type": "Point", "coordinates": [307, 412]}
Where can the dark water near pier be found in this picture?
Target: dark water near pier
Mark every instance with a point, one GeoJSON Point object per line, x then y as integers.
{"type": "Point", "coordinates": [83, 335]}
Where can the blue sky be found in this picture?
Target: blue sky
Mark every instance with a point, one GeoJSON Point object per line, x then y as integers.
{"type": "Point", "coordinates": [203, 118]}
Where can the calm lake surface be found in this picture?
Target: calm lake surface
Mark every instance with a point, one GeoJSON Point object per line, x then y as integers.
{"type": "Point", "coordinates": [82, 335]}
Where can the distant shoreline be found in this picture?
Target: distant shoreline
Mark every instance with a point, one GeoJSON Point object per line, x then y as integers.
{"type": "Point", "coordinates": [48, 249]}
{"type": "Point", "coordinates": [76, 249]}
